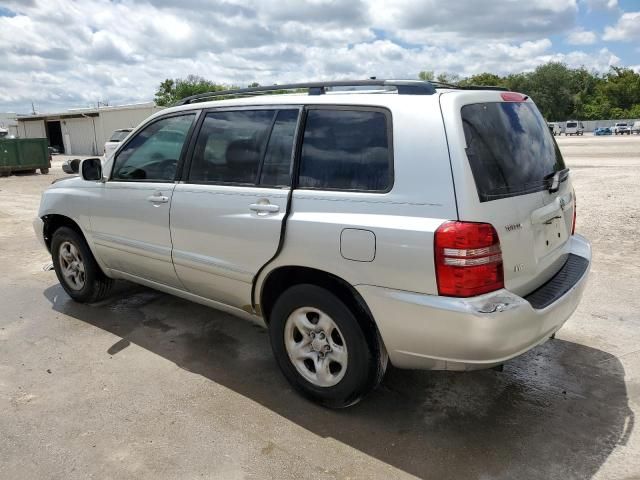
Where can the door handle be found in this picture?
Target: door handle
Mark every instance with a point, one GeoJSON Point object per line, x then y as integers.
{"type": "Point", "coordinates": [264, 208]}
{"type": "Point", "coordinates": [158, 198]}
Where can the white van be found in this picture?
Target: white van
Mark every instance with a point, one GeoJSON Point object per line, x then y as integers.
{"type": "Point", "coordinates": [574, 127]}
{"type": "Point", "coordinates": [555, 128]}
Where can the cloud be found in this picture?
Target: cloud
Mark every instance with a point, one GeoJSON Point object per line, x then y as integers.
{"type": "Point", "coordinates": [626, 30]}
{"type": "Point", "coordinates": [581, 37]}
{"type": "Point", "coordinates": [600, 4]}
{"type": "Point", "coordinates": [64, 54]}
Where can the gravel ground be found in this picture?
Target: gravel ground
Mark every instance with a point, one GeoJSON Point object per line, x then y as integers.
{"type": "Point", "coordinates": [145, 385]}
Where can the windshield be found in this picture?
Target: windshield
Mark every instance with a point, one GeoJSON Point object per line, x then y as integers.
{"type": "Point", "coordinates": [119, 135]}
{"type": "Point", "coordinates": [510, 149]}
{"type": "Point", "coordinates": [572, 124]}
{"type": "Point", "coordinates": [622, 124]}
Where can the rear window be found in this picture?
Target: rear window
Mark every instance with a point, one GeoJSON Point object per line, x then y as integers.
{"type": "Point", "coordinates": [510, 149]}
{"type": "Point", "coordinates": [572, 124]}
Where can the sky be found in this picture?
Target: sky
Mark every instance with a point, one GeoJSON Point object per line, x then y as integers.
{"type": "Point", "coordinates": [63, 54]}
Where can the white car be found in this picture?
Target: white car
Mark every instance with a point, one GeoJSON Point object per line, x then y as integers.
{"type": "Point", "coordinates": [429, 227]}
{"type": "Point", "coordinates": [116, 138]}
{"type": "Point", "coordinates": [555, 128]}
{"type": "Point", "coordinates": [574, 127]}
{"type": "Point", "coordinates": [621, 128]}
{"type": "Point", "coordinates": [636, 127]}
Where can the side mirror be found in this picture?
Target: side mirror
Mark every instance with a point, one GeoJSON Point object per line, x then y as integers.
{"type": "Point", "coordinates": [91, 169]}
{"type": "Point", "coordinates": [71, 166]}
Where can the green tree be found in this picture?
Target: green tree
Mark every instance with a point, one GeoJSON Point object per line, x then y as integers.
{"type": "Point", "coordinates": [621, 87]}
{"type": "Point", "coordinates": [170, 90]}
{"type": "Point", "coordinates": [446, 77]}
{"type": "Point", "coordinates": [426, 75]}
{"type": "Point", "coordinates": [485, 79]}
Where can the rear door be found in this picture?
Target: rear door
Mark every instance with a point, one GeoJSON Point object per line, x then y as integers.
{"type": "Point", "coordinates": [508, 171]}
{"type": "Point", "coordinates": [227, 216]}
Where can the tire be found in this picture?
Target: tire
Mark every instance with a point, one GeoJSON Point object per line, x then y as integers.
{"type": "Point", "coordinates": [361, 355]}
{"type": "Point", "coordinates": [77, 269]}
{"type": "Point", "coordinates": [44, 171]}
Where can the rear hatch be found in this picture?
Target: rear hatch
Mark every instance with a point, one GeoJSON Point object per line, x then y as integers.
{"type": "Point", "coordinates": [508, 171]}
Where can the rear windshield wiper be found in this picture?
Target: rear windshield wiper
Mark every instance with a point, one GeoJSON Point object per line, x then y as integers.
{"type": "Point", "coordinates": [553, 180]}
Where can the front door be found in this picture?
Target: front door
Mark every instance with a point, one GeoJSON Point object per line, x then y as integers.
{"type": "Point", "coordinates": [227, 216]}
{"type": "Point", "coordinates": [130, 213]}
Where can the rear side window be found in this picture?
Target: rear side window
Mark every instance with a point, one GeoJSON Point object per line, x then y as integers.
{"type": "Point", "coordinates": [510, 149]}
{"type": "Point", "coordinates": [276, 169]}
{"type": "Point", "coordinates": [346, 150]}
{"type": "Point", "coordinates": [232, 146]}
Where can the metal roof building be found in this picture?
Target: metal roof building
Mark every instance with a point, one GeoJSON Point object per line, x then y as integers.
{"type": "Point", "coordinates": [83, 131]}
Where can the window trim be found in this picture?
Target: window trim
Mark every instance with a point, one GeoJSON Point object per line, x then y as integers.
{"type": "Point", "coordinates": [277, 108]}
{"type": "Point", "coordinates": [148, 123]}
{"type": "Point", "coordinates": [363, 108]}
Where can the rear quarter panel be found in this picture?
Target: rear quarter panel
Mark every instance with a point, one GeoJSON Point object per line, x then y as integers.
{"type": "Point", "coordinates": [402, 220]}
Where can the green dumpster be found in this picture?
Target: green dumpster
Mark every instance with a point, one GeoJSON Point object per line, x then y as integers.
{"type": "Point", "coordinates": [20, 154]}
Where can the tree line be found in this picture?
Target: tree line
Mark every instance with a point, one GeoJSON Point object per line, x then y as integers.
{"type": "Point", "coordinates": [560, 92]}
{"type": "Point", "coordinates": [563, 93]}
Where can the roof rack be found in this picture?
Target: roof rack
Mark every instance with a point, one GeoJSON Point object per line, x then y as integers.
{"type": "Point", "coordinates": [469, 87]}
{"type": "Point", "coordinates": [403, 87]}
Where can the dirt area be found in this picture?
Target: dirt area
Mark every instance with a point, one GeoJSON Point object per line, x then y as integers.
{"type": "Point", "coordinates": [145, 385]}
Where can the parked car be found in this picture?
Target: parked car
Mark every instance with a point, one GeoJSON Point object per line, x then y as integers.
{"type": "Point", "coordinates": [602, 131]}
{"type": "Point", "coordinates": [636, 127]}
{"type": "Point", "coordinates": [117, 137]}
{"type": "Point", "coordinates": [555, 128]}
{"type": "Point", "coordinates": [573, 127]}
{"type": "Point", "coordinates": [349, 223]}
{"type": "Point", "coordinates": [621, 128]}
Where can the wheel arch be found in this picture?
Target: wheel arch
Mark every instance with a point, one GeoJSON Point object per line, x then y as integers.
{"type": "Point", "coordinates": [284, 277]}
{"type": "Point", "coordinates": [53, 222]}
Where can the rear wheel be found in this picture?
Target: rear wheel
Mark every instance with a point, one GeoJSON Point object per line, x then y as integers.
{"type": "Point", "coordinates": [44, 171]}
{"type": "Point", "coordinates": [76, 268]}
{"type": "Point", "coordinates": [322, 349]}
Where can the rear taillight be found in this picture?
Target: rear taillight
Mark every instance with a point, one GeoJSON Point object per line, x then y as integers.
{"type": "Point", "coordinates": [573, 225]}
{"type": "Point", "coordinates": [468, 259]}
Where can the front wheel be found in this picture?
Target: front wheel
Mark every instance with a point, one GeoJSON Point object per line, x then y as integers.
{"type": "Point", "coordinates": [322, 349]}
{"type": "Point", "coordinates": [76, 268]}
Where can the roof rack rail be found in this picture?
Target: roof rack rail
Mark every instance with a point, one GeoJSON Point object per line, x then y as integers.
{"type": "Point", "coordinates": [469, 87]}
{"type": "Point", "coordinates": [403, 87]}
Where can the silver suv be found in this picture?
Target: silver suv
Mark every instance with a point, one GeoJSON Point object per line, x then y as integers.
{"type": "Point", "coordinates": [361, 221]}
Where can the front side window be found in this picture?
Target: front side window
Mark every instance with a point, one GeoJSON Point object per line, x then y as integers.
{"type": "Point", "coordinates": [153, 154]}
{"type": "Point", "coordinates": [245, 147]}
{"type": "Point", "coordinates": [346, 150]}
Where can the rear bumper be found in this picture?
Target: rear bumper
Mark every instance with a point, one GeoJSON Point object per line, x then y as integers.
{"type": "Point", "coordinates": [443, 333]}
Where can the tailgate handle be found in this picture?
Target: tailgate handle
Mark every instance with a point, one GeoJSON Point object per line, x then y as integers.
{"type": "Point", "coordinates": [547, 214]}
